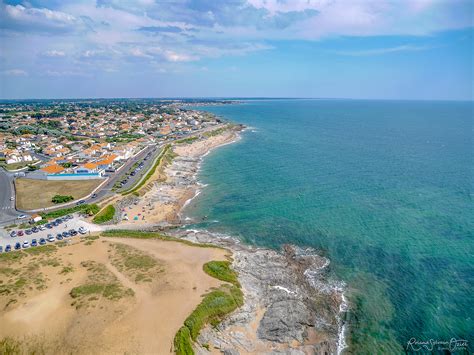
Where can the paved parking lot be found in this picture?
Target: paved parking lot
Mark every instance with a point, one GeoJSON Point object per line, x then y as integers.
{"type": "Point", "coordinates": [73, 223]}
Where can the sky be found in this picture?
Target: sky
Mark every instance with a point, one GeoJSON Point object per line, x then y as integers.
{"type": "Point", "coordinates": [360, 49]}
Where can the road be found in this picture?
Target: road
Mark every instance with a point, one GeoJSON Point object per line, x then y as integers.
{"type": "Point", "coordinates": [113, 179]}
{"type": "Point", "coordinates": [7, 208]}
{"type": "Point", "coordinates": [8, 213]}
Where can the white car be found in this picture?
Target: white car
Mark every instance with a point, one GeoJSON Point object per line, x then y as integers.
{"type": "Point", "coordinates": [51, 238]}
{"type": "Point", "coordinates": [42, 228]}
{"type": "Point", "coordinates": [82, 230]}
{"type": "Point", "coordinates": [22, 216]}
{"type": "Point", "coordinates": [26, 244]}
{"type": "Point", "coordinates": [12, 198]}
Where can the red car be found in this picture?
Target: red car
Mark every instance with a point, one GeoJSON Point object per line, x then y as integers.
{"type": "Point", "coordinates": [20, 233]}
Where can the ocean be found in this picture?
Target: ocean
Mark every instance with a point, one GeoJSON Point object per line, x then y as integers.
{"type": "Point", "coordinates": [382, 188]}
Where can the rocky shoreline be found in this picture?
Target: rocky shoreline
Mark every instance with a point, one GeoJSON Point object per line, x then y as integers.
{"type": "Point", "coordinates": [291, 306]}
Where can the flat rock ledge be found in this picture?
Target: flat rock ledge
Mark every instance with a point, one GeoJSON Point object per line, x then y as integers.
{"type": "Point", "coordinates": [291, 306]}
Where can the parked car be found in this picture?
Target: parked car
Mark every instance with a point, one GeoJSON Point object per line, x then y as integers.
{"type": "Point", "coordinates": [42, 241]}
{"type": "Point", "coordinates": [34, 243]}
{"type": "Point", "coordinates": [51, 238]}
{"type": "Point", "coordinates": [28, 231]}
{"type": "Point", "coordinates": [42, 228]}
{"type": "Point", "coordinates": [13, 234]}
{"type": "Point", "coordinates": [65, 234]}
{"type": "Point", "coordinates": [8, 248]}
{"type": "Point", "coordinates": [35, 229]}
{"type": "Point", "coordinates": [20, 233]}
{"type": "Point", "coordinates": [72, 232]}
{"type": "Point", "coordinates": [82, 230]}
{"type": "Point", "coordinates": [55, 224]}
{"type": "Point", "coordinates": [49, 226]}
{"type": "Point", "coordinates": [17, 245]}
{"type": "Point", "coordinates": [26, 244]}
{"type": "Point", "coordinates": [1, 249]}
{"type": "Point", "coordinates": [59, 236]}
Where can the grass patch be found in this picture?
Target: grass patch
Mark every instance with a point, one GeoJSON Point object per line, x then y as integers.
{"type": "Point", "coordinates": [150, 172]}
{"type": "Point", "coordinates": [101, 283]}
{"type": "Point", "coordinates": [66, 270]}
{"type": "Point", "coordinates": [85, 208]}
{"type": "Point", "coordinates": [134, 263]}
{"type": "Point", "coordinates": [216, 132]}
{"type": "Point", "coordinates": [188, 140]}
{"type": "Point", "coordinates": [118, 233]}
{"type": "Point", "coordinates": [42, 249]}
{"type": "Point", "coordinates": [44, 191]}
{"type": "Point", "coordinates": [21, 272]}
{"type": "Point", "coordinates": [107, 214]}
{"type": "Point", "coordinates": [9, 346]}
{"type": "Point", "coordinates": [182, 342]}
{"type": "Point", "coordinates": [221, 270]}
{"type": "Point", "coordinates": [213, 308]}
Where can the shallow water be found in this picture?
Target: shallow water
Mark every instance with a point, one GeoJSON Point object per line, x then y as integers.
{"type": "Point", "coordinates": [383, 188]}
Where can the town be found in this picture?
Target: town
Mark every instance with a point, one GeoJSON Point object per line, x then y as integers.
{"type": "Point", "coordinates": [92, 148]}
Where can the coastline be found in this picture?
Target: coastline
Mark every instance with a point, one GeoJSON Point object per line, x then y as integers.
{"type": "Point", "coordinates": [315, 327]}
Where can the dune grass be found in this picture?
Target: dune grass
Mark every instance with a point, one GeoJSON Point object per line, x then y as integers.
{"type": "Point", "coordinates": [123, 233]}
{"type": "Point", "coordinates": [105, 215]}
{"type": "Point", "coordinates": [221, 270]}
{"type": "Point", "coordinates": [213, 308]}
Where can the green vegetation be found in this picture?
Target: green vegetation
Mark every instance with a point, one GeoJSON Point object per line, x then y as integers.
{"type": "Point", "coordinates": [107, 214]}
{"type": "Point", "coordinates": [188, 140]}
{"type": "Point", "coordinates": [20, 272]}
{"type": "Point", "coordinates": [9, 346]}
{"type": "Point", "coordinates": [118, 233]}
{"type": "Point", "coordinates": [85, 208]}
{"type": "Point", "coordinates": [61, 198]}
{"type": "Point", "coordinates": [182, 342]}
{"type": "Point", "coordinates": [123, 138]}
{"type": "Point", "coordinates": [137, 265]}
{"type": "Point", "coordinates": [221, 270]}
{"type": "Point", "coordinates": [101, 283]}
{"type": "Point", "coordinates": [213, 308]}
{"type": "Point", "coordinates": [15, 166]}
{"type": "Point", "coordinates": [218, 131]}
{"type": "Point", "coordinates": [150, 172]}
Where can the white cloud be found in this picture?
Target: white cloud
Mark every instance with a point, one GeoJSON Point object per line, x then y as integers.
{"type": "Point", "coordinates": [15, 72]}
{"type": "Point", "coordinates": [381, 51]}
{"type": "Point", "coordinates": [21, 18]}
{"type": "Point", "coordinates": [179, 57]}
{"type": "Point", "coordinates": [54, 53]}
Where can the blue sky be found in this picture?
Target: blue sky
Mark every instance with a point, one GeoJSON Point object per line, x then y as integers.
{"type": "Point", "coordinates": [394, 49]}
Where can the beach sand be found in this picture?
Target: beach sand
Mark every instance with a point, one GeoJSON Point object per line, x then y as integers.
{"type": "Point", "coordinates": [172, 187]}
{"type": "Point", "coordinates": [44, 315]}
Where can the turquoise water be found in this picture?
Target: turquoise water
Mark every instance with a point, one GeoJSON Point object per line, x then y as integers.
{"type": "Point", "coordinates": [383, 188]}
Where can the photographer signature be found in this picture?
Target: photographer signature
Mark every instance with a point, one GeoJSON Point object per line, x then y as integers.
{"type": "Point", "coordinates": [452, 345]}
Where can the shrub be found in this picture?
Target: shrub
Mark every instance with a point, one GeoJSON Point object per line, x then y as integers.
{"type": "Point", "coordinates": [85, 208]}
{"type": "Point", "coordinates": [107, 214]}
{"type": "Point", "coordinates": [61, 198]}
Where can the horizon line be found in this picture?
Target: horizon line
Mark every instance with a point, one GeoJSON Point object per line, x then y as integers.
{"type": "Point", "coordinates": [229, 98]}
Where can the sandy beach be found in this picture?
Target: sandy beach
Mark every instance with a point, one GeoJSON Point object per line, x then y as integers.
{"type": "Point", "coordinates": [142, 318]}
{"type": "Point", "coordinates": [174, 185]}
